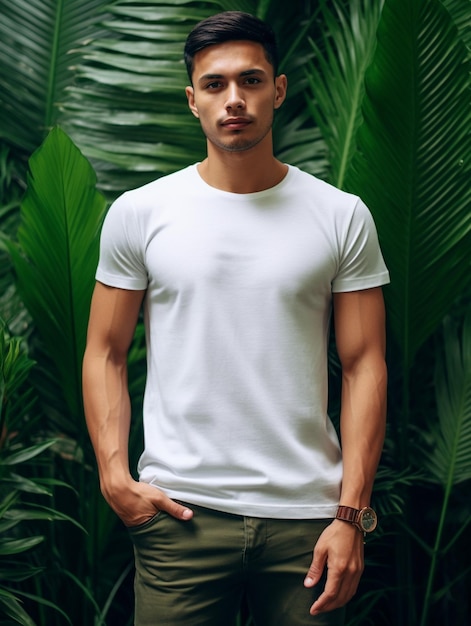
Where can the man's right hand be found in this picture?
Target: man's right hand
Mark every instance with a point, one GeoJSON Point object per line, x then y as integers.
{"type": "Point", "coordinates": [135, 503]}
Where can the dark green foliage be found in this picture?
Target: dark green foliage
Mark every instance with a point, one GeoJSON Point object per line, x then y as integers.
{"type": "Point", "coordinates": [379, 104]}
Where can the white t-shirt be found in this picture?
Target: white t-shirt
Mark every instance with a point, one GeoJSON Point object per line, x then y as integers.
{"type": "Point", "coordinates": [237, 315]}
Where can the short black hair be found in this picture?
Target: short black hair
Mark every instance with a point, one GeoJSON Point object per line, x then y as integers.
{"type": "Point", "coordinates": [230, 26]}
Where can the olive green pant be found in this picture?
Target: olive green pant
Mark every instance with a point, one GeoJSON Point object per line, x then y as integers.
{"type": "Point", "coordinates": [195, 573]}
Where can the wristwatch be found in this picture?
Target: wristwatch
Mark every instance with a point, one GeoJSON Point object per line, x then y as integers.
{"type": "Point", "coordinates": [364, 519]}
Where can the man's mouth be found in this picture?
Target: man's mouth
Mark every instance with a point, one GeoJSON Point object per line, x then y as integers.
{"type": "Point", "coordinates": [235, 123]}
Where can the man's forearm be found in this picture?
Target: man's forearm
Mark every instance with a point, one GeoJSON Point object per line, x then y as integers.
{"type": "Point", "coordinates": [362, 425]}
{"type": "Point", "coordinates": [108, 414]}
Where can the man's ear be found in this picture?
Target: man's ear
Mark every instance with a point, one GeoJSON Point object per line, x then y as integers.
{"type": "Point", "coordinates": [281, 85]}
{"type": "Point", "coordinates": [190, 94]}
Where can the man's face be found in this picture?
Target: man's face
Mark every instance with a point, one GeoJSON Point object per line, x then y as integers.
{"type": "Point", "coordinates": [234, 94]}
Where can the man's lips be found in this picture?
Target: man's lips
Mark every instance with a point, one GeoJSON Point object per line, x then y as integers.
{"type": "Point", "coordinates": [235, 123]}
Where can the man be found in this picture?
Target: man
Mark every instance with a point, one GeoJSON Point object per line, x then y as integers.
{"type": "Point", "coordinates": [239, 260]}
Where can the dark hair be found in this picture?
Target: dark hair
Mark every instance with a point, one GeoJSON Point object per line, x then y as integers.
{"type": "Point", "coordinates": [230, 26]}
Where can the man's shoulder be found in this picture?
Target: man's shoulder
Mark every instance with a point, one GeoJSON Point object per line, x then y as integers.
{"type": "Point", "coordinates": [319, 191]}
{"type": "Point", "coordinates": [307, 178]}
{"type": "Point", "coordinates": [153, 197]}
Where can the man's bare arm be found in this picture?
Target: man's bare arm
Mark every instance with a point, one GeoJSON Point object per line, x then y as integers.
{"type": "Point", "coordinates": [113, 318]}
{"type": "Point", "coordinates": [360, 336]}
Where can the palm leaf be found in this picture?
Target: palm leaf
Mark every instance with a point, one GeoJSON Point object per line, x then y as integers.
{"type": "Point", "coordinates": [413, 165]}
{"type": "Point", "coordinates": [128, 111]}
{"type": "Point", "coordinates": [459, 10]}
{"type": "Point", "coordinates": [57, 255]}
{"type": "Point", "coordinates": [336, 79]}
{"type": "Point", "coordinates": [38, 49]}
{"type": "Point", "coordinates": [450, 460]}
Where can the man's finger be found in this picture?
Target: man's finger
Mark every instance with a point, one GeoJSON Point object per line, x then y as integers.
{"type": "Point", "coordinates": [175, 509]}
{"type": "Point", "coordinates": [316, 569]}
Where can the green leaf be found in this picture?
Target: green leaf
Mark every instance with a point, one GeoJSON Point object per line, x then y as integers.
{"type": "Point", "coordinates": [41, 486]}
{"type": "Point", "coordinates": [39, 42]}
{"type": "Point", "coordinates": [36, 512]}
{"type": "Point", "coordinates": [57, 255]}
{"type": "Point", "coordinates": [450, 460]}
{"type": "Point", "coordinates": [16, 546]}
{"type": "Point", "coordinates": [128, 110]}
{"type": "Point", "coordinates": [26, 454]}
{"type": "Point", "coordinates": [43, 602]}
{"type": "Point", "coordinates": [413, 165]}
{"type": "Point", "coordinates": [336, 77]}
{"type": "Point", "coordinates": [13, 609]}
{"type": "Point", "coordinates": [17, 571]}
{"type": "Point", "coordinates": [8, 501]}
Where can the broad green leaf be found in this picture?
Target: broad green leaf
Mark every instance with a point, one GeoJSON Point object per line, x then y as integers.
{"type": "Point", "coordinates": [57, 255]}
{"type": "Point", "coordinates": [413, 165]}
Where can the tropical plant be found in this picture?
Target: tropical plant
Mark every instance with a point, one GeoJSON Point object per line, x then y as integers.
{"type": "Point", "coordinates": [139, 64]}
{"type": "Point", "coordinates": [449, 439]}
{"type": "Point", "coordinates": [23, 515]}
{"type": "Point", "coordinates": [405, 148]}
{"type": "Point", "coordinates": [379, 105]}
{"type": "Point", "coordinates": [57, 322]}
{"type": "Point", "coordinates": [54, 262]}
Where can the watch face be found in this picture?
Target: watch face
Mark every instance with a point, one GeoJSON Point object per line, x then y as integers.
{"type": "Point", "coordinates": [368, 520]}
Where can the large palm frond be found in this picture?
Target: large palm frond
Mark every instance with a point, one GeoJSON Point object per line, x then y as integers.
{"type": "Point", "coordinates": [336, 78]}
{"type": "Point", "coordinates": [449, 462]}
{"type": "Point", "coordinates": [128, 111]}
{"type": "Point", "coordinates": [459, 11]}
{"type": "Point", "coordinates": [38, 49]}
{"type": "Point", "coordinates": [413, 164]}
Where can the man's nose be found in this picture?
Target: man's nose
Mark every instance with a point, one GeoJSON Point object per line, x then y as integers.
{"type": "Point", "coordinates": [235, 98]}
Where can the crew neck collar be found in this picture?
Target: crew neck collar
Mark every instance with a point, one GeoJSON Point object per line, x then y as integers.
{"type": "Point", "coordinates": [284, 181]}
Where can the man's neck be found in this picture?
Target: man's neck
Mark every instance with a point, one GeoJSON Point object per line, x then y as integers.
{"type": "Point", "coordinates": [241, 172]}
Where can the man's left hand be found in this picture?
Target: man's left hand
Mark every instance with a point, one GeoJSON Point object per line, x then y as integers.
{"type": "Point", "coordinates": [340, 550]}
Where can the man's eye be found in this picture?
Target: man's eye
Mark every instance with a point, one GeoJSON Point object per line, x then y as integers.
{"type": "Point", "coordinates": [252, 80]}
{"type": "Point", "coordinates": [213, 85]}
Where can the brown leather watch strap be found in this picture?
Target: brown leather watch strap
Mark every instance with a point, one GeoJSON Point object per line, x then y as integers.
{"type": "Point", "coordinates": [347, 514]}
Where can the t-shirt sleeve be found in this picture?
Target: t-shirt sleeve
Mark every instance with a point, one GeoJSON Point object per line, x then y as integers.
{"type": "Point", "coordinates": [121, 262]}
{"type": "Point", "coordinates": [361, 262]}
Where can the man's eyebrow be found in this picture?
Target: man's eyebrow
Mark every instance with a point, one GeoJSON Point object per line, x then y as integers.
{"type": "Point", "coordinates": [250, 72]}
{"type": "Point", "coordinates": [209, 77]}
